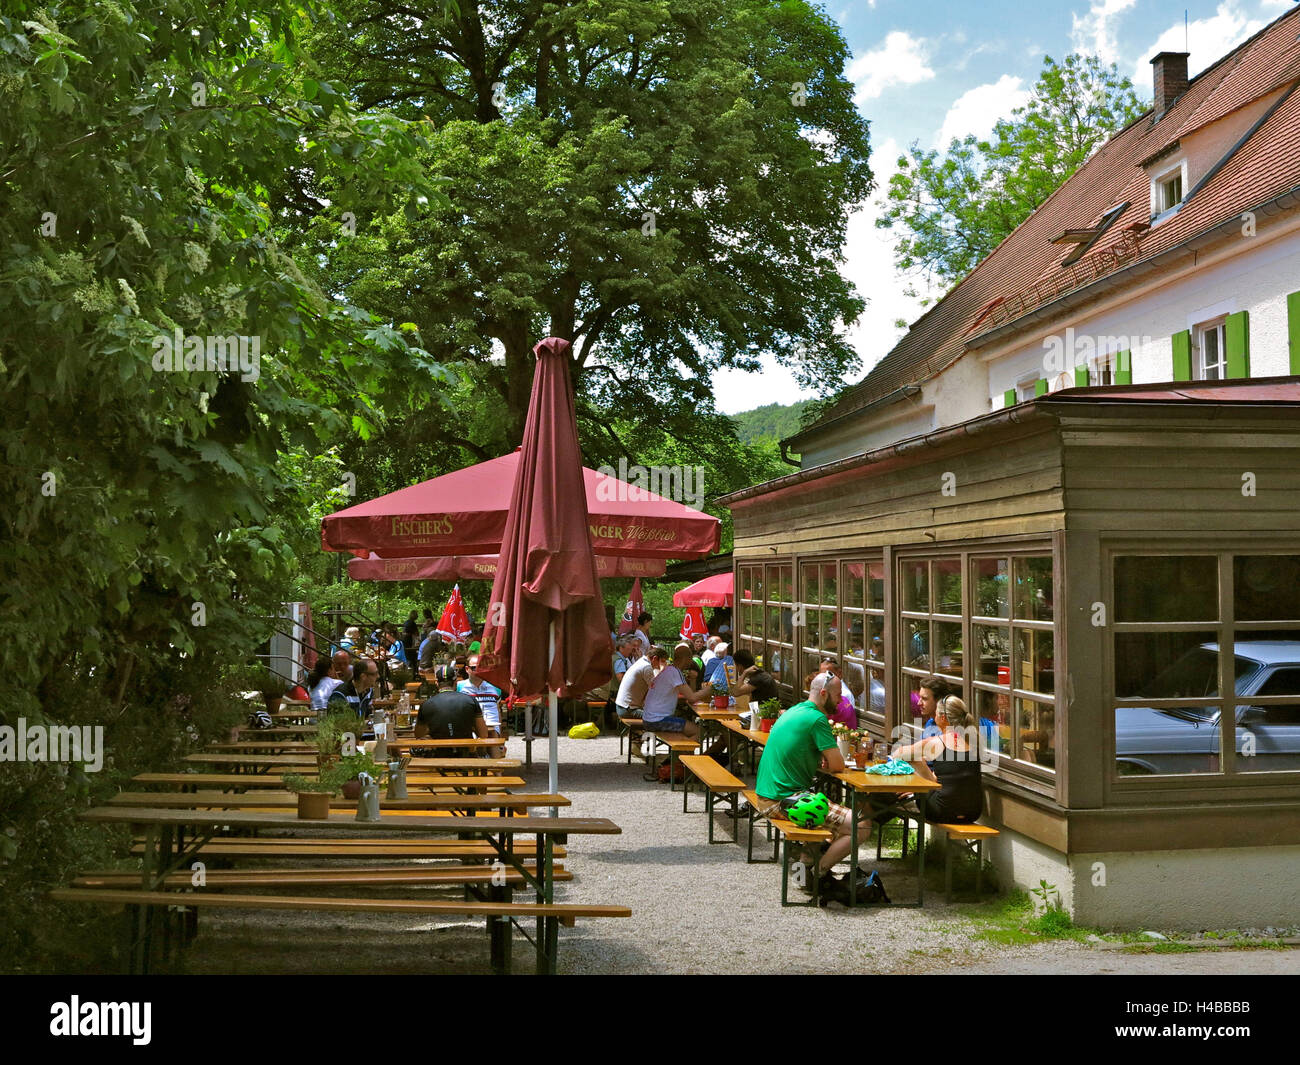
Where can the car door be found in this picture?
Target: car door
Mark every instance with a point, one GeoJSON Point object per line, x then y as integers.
{"type": "Point", "coordinates": [1268, 737]}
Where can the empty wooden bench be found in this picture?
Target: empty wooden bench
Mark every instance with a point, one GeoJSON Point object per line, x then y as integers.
{"type": "Point", "coordinates": [290, 847]}
{"type": "Point", "coordinates": [375, 876]}
{"type": "Point", "coordinates": [548, 914]}
{"type": "Point", "coordinates": [632, 728]}
{"type": "Point", "coordinates": [678, 745]}
{"type": "Point", "coordinates": [716, 780]}
{"type": "Point", "coordinates": [971, 838]}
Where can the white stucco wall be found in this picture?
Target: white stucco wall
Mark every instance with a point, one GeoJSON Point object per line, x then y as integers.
{"type": "Point", "coordinates": [1256, 279]}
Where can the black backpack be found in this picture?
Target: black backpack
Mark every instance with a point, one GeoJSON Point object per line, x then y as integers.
{"type": "Point", "coordinates": [870, 889]}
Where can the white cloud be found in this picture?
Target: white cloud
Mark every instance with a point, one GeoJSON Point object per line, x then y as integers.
{"type": "Point", "coordinates": [1094, 33]}
{"type": "Point", "coordinates": [900, 60]}
{"type": "Point", "coordinates": [976, 110]}
{"type": "Point", "coordinates": [1208, 40]}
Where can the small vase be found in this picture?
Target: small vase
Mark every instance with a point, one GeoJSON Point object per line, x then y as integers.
{"type": "Point", "coordinates": [352, 789]}
{"type": "Point", "coordinates": [843, 744]}
{"type": "Point", "coordinates": [314, 805]}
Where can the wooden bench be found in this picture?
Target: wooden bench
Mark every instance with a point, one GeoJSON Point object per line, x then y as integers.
{"type": "Point", "coordinates": [631, 727]}
{"type": "Point", "coordinates": [432, 875]}
{"type": "Point", "coordinates": [971, 838]}
{"type": "Point", "coordinates": [283, 799]}
{"type": "Point", "coordinates": [678, 744]}
{"type": "Point", "coordinates": [716, 781]}
{"type": "Point", "coordinates": [239, 781]}
{"type": "Point", "coordinates": [788, 832]}
{"type": "Point", "coordinates": [549, 914]}
{"type": "Point", "coordinates": [291, 847]}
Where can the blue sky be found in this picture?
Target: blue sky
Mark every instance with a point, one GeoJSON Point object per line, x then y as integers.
{"type": "Point", "coordinates": [927, 71]}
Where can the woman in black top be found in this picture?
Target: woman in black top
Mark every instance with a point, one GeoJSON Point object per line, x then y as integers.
{"type": "Point", "coordinates": [949, 760]}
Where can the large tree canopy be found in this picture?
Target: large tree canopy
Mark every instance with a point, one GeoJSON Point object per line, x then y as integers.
{"type": "Point", "coordinates": [665, 184]}
{"type": "Point", "coordinates": [948, 210]}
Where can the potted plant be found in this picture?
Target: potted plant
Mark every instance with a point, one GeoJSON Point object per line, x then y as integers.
{"type": "Point", "coordinates": [349, 769]}
{"type": "Point", "coordinates": [842, 739]}
{"type": "Point", "coordinates": [768, 711]}
{"type": "Point", "coordinates": [313, 795]}
{"type": "Point", "coordinates": [329, 740]}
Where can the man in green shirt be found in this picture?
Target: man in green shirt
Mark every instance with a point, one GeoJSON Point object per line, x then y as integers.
{"type": "Point", "coordinates": [800, 744]}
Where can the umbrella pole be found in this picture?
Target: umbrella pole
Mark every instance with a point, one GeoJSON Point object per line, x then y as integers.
{"type": "Point", "coordinates": [554, 720]}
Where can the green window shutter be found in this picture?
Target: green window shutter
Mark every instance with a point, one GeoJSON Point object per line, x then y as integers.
{"type": "Point", "coordinates": [1040, 387]}
{"type": "Point", "coordinates": [1183, 355]}
{"type": "Point", "coordinates": [1081, 377]}
{"type": "Point", "coordinates": [1124, 368]}
{"type": "Point", "coordinates": [1009, 398]}
{"type": "Point", "coordinates": [1236, 339]}
{"type": "Point", "coordinates": [1293, 329]}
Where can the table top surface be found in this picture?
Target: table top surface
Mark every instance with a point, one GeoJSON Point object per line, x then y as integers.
{"type": "Point", "coordinates": [435, 744]}
{"type": "Point", "coordinates": [271, 780]}
{"type": "Point", "coordinates": [859, 780]}
{"type": "Point", "coordinates": [708, 714]}
{"type": "Point", "coordinates": [288, 800]}
{"type": "Point", "coordinates": [347, 822]}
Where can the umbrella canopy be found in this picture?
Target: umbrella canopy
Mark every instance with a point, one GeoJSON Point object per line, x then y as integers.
{"type": "Point", "coordinates": [546, 627]}
{"type": "Point", "coordinates": [718, 590]}
{"type": "Point", "coordinates": [635, 607]}
{"type": "Point", "coordinates": [454, 622]}
{"type": "Point", "coordinates": [481, 567]}
{"type": "Point", "coordinates": [464, 513]}
{"type": "Point", "coordinates": [693, 623]}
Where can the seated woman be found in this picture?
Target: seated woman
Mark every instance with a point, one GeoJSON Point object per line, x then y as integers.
{"type": "Point", "coordinates": [949, 760]}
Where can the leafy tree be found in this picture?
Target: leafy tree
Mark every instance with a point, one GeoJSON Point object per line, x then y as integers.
{"type": "Point", "coordinates": [949, 210]}
{"type": "Point", "coordinates": [640, 177]}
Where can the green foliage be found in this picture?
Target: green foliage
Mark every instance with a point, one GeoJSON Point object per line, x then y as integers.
{"type": "Point", "coordinates": [949, 210]}
{"type": "Point", "coordinates": [353, 765]}
{"type": "Point", "coordinates": [327, 782]}
{"type": "Point", "coordinates": [769, 424]}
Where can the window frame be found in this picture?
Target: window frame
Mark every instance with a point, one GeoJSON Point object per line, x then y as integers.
{"type": "Point", "coordinates": [1218, 326]}
{"type": "Point", "coordinates": [1160, 179]}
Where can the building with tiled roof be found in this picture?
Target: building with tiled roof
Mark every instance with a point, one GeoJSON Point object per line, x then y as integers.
{"type": "Point", "coordinates": [1182, 223]}
{"type": "Point", "coordinates": [1068, 488]}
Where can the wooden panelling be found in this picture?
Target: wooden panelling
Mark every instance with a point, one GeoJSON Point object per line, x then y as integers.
{"type": "Point", "coordinates": [1185, 827]}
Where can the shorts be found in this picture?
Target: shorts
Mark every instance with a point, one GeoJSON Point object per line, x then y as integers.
{"type": "Point", "coordinates": [665, 724]}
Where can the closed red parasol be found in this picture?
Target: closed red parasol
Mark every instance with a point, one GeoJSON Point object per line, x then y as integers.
{"type": "Point", "coordinates": [454, 622]}
{"type": "Point", "coordinates": [546, 627]}
{"type": "Point", "coordinates": [634, 609]}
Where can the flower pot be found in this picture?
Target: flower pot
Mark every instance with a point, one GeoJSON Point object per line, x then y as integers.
{"type": "Point", "coordinates": [273, 702]}
{"type": "Point", "coordinates": [721, 702]}
{"type": "Point", "coordinates": [352, 789]}
{"type": "Point", "coordinates": [313, 805]}
{"type": "Point", "coordinates": [765, 724]}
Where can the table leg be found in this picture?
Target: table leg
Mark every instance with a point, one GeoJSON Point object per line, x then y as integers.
{"type": "Point", "coordinates": [921, 801]}
{"type": "Point", "coordinates": [853, 847]}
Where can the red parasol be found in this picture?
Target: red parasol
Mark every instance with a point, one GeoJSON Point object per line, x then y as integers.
{"type": "Point", "coordinates": [718, 590]}
{"type": "Point", "coordinates": [634, 609]}
{"type": "Point", "coordinates": [454, 623]}
{"type": "Point", "coordinates": [693, 622]}
{"type": "Point", "coordinates": [546, 578]}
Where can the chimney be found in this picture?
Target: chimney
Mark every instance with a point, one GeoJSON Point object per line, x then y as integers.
{"type": "Point", "coordinates": [1170, 77]}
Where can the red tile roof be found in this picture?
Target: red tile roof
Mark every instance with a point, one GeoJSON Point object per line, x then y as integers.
{"type": "Point", "coordinates": [1025, 271]}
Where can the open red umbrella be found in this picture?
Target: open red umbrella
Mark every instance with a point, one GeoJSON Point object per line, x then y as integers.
{"type": "Point", "coordinates": [718, 590]}
{"type": "Point", "coordinates": [454, 622]}
{"type": "Point", "coordinates": [546, 627]}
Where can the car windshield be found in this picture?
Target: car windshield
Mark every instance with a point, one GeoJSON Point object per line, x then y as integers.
{"type": "Point", "coordinates": [1196, 676]}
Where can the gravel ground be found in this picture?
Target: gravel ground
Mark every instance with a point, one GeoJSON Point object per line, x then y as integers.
{"type": "Point", "coordinates": [695, 909]}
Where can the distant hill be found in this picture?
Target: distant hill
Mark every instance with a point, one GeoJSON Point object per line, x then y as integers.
{"type": "Point", "coordinates": [769, 423]}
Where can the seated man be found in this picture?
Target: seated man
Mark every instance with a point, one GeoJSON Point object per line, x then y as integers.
{"type": "Point", "coordinates": [450, 713]}
{"type": "Point", "coordinates": [357, 694]}
{"type": "Point", "coordinates": [651, 687]}
{"type": "Point", "coordinates": [799, 745]}
{"type": "Point", "coordinates": [488, 695]}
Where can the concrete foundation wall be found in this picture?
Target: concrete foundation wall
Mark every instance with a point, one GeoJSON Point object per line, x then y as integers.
{"type": "Point", "coordinates": [1185, 890]}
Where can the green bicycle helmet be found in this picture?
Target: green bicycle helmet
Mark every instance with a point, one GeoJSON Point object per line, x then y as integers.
{"type": "Point", "coordinates": [807, 809]}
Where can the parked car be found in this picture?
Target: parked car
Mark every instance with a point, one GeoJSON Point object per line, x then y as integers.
{"type": "Point", "coordinates": [1185, 739]}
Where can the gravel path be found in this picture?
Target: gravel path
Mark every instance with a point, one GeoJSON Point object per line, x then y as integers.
{"type": "Point", "coordinates": [695, 909]}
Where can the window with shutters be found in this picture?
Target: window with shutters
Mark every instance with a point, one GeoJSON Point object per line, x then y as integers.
{"type": "Point", "coordinates": [1101, 369]}
{"type": "Point", "coordinates": [1210, 357]}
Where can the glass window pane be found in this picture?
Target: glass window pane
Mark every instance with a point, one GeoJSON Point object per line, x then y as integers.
{"type": "Point", "coordinates": [994, 644]}
{"type": "Point", "coordinates": [830, 584]}
{"type": "Point", "coordinates": [778, 662]}
{"type": "Point", "coordinates": [1035, 733]}
{"type": "Point", "coordinates": [992, 588]}
{"type": "Point", "coordinates": [774, 584]}
{"type": "Point", "coordinates": [948, 659]}
{"type": "Point", "coordinates": [811, 589]}
{"type": "Point", "coordinates": [1266, 587]}
{"type": "Point", "coordinates": [1167, 665]}
{"type": "Point", "coordinates": [875, 696]}
{"type": "Point", "coordinates": [994, 711]}
{"type": "Point", "coordinates": [916, 586]}
{"type": "Point", "coordinates": [811, 660]}
{"type": "Point", "coordinates": [1167, 588]}
{"type": "Point", "coordinates": [856, 642]}
{"type": "Point", "coordinates": [916, 644]}
{"type": "Point", "coordinates": [876, 637]}
{"type": "Point", "coordinates": [1268, 737]}
{"type": "Point", "coordinates": [1035, 651]}
{"type": "Point", "coordinates": [1165, 741]}
{"type": "Point", "coordinates": [786, 578]}
{"type": "Point", "coordinates": [876, 585]}
{"type": "Point", "coordinates": [774, 624]}
{"type": "Point", "coordinates": [854, 589]}
{"type": "Point", "coordinates": [1033, 588]}
{"type": "Point", "coordinates": [947, 586]}
{"type": "Point", "coordinates": [754, 582]}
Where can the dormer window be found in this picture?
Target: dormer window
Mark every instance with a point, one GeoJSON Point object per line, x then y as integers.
{"type": "Point", "coordinates": [1167, 188]}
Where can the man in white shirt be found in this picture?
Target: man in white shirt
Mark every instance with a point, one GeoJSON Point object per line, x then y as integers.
{"type": "Point", "coordinates": [487, 695]}
{"type": "Point", "coordinates": [652, 686]}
